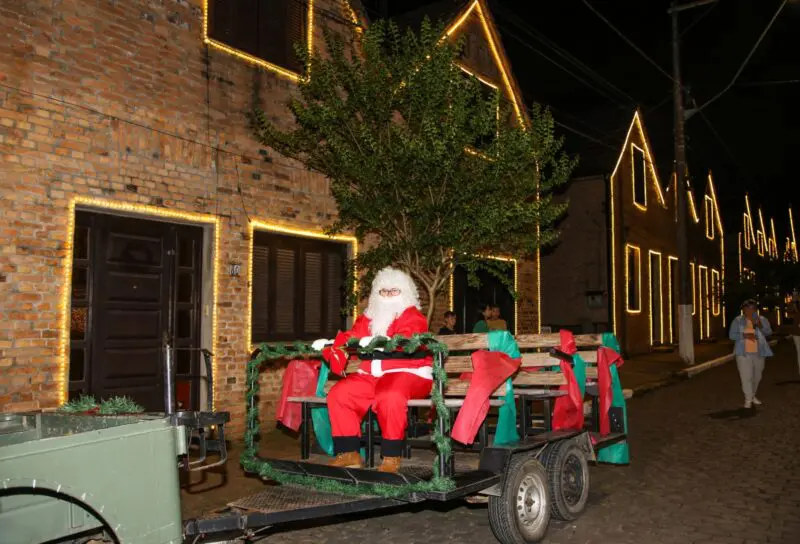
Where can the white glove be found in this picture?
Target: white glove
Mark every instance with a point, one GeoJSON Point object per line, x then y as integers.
{"type": "Point", "coordinates": [365, 340]}
{"type": "Point", "coordinates": [376, 369]}
{"type": "Point", "coordinates": [317, 345]}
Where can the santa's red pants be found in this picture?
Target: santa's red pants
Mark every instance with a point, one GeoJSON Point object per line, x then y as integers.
{"type": "Point", "coordinates": [349, 400]}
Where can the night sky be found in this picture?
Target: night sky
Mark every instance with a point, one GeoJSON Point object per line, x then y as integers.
{"type": "Point", "coordinates": [748, 137]}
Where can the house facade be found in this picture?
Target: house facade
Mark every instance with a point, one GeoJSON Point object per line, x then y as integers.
{"type": "Point", "coordinates": [138, 207]}
{"type": "Point", "coordinates": [615, 267]}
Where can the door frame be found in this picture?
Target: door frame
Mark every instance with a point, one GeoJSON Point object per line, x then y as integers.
{"type": "Point", "coordinates": [209, 270]}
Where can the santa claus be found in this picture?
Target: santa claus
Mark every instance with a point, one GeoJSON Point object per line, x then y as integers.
{"type": "Point", "coordinates": [384, 384]}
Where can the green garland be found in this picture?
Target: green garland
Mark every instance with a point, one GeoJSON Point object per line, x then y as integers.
{"type": "Point", "coordinates": [251, 463]}
{"type": "Point", "coordinates": [108, 407]}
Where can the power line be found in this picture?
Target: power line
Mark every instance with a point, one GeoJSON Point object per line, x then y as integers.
{"type": "Point", "coordinates": [700, 18]}
{"type": "Point", "coordinates": [628, 41]}
{"type": "Point", "coordinates": [562, 52]}
{"type": "Point", "coordinates": [766, 83]}
{"type": "Point", "coordinates": [744, 63]}
{"type": "Point", "coordinates": [567, 70]}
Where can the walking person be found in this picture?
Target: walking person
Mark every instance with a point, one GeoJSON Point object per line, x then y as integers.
{"type": "Point", "coordinates": [749, 331]}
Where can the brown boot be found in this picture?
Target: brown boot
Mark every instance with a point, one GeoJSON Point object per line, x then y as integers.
{"type": "Point", "coordinates": [351, 459]}
{"type": "Point", "coordinates": [390, 464]}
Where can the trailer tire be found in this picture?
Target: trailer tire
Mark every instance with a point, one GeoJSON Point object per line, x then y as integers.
{"type": "Point", "coordinates": [521, 514]}
{"type": "Point", "coordinates": [568, 479]}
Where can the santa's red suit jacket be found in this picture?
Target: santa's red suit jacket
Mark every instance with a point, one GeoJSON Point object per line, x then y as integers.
{"type": "Point", "coordinates": [408, 323]}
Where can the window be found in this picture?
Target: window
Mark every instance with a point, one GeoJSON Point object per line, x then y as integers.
{"type": "Point", "coordinates": [633, 279]}
{"type": "Point", "coordinates": [265, 29]}
{"type": "Point", "coordinates": [716, 292]}
{"type": "Point", "coordinates": [694, 289]}
{"type": "Point", "coordinates": [298, 287]}
{"type": "Point", "coordinates": [639, 173]}
{"type": "Point", "coordinates": [760, 242]}
{"type": "Point", "coordinates": [709, 207]}
{"type": "Point", "coordinates": [747, 229]}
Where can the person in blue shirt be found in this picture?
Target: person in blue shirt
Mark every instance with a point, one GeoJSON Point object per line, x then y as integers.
{"type": "Point", "coordinates": [750, 331]}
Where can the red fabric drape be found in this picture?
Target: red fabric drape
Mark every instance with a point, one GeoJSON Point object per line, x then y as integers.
{"type": "Point", "coordinates": [299, 380]}
{"type": "Point", "coordinates": [490, 370]}
{"type": "Point", "coordinates": [568, 410]}
{"type": "Point", "coordinates": [605, 358]}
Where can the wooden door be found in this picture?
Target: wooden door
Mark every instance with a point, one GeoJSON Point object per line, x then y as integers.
{"type": "Point", "coordinates": [144, 282]}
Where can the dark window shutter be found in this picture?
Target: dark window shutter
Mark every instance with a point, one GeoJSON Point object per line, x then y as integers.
{"type": "Point", "coordinates": [312, 308]}
{"type": "Point", "coordinates": [260, 288]}
{"type": "Point", "coordinates": [335, 302]}
{"type": "Point", "coordinates": [282, 24]}
{"type": "Point", "coordinates": [285, 294]}
{"type": "Point", "coordinates": [235, 23]}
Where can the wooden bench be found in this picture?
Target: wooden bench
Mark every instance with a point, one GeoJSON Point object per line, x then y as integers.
{"type": "Point", "coordinates": [538, 380]}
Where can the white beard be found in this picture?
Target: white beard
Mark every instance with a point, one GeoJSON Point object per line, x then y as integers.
{"type": "Point", "coordinates": [382, 313]}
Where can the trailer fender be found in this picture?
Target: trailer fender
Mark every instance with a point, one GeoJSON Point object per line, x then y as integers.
{"type": "Point", "coordinates": [84, 499]}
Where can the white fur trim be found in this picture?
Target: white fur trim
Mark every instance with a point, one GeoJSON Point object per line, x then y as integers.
{"type": "Point", "coordinates": [376, 370]}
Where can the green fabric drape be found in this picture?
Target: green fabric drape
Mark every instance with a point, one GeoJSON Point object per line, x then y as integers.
{"type": "Point", "coordinates": [506, 432]}
{"type": "Point", "coordinates": [617, 454]}
{"type": "Point", "coordinates": [319, 415]}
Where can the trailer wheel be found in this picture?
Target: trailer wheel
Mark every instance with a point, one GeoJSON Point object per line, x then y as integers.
{"type": "Point", "coordinates": [568, 479]}
{"type": "Point", "coordinates": [521, 514]}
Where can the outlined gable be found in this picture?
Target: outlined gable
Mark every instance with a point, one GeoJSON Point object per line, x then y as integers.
{"type": "Point", "coordinates": [637, 140]}
{"type": "Point", "coordinates": [477, 23]}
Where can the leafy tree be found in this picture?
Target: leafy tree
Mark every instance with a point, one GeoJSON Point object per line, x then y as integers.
{"type": "Point", "coordinates": [419, 159]}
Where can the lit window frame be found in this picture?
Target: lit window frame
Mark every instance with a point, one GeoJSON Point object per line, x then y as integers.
{"type": "Point", "coordinates": [650, 253]}
{"type": "Point", "coordinates": [289, 231]}
{"type": "Point", "coordinates": [639, 205]}
{"type": "Point", "coordinates": [630, 248]}
{"type": "Point", "coordinates": [272, 67]}
{"type": "Point", "coordinates": [708, 204]}
{"type": "Point", "coordinates": [716, 293]}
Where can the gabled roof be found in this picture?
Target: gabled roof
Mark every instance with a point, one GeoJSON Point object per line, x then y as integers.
{"type": "Point", "coordinates": [636, 124]}
{"type": "Point", "coordinates": [454, 14]}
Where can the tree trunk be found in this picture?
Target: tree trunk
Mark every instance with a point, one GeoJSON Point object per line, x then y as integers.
{"type": "Point", "coordinates": [431, 306]}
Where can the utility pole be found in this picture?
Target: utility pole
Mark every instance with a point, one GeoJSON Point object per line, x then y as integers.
{"type": "Point", "coordinates": [685, 328]}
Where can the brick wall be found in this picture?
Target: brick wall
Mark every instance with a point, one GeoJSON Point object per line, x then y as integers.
{"type": "Point", "coordinates": [121, 101]}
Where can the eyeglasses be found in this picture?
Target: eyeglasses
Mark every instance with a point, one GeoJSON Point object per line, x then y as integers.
{"type": "Point", "coordinates": [389, 292]}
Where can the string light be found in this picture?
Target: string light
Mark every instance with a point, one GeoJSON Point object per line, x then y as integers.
{"type": "Point", "coordinates": [126, 208]}
{"type": "Point", "coordinates": [650, 253]}
{"type": "Point", "coordinates": [692, 206]}
{"type": "Point", "coordinates": [637, 205]}
{"type": "Point", "coordinates": [718, 217]}
{"type": "Point", "coordinates": [289, 74]}
{"type": "Point", "coordinates": [702, 299]}
{"type": "Point", "coordinates": [708, 207]}
{"type": "Point", "coordinates": [761, 236]}
{"type": "Point", "coordinates": [477, 7]}
{"type": "Point", "coordinates": [629, 249]}
{"type": "Point", "coordinates": [353, 16]}
{"type": "Point", "coordinates": [794, 240]}
{"type": "Point", "coordinates": [773, 243]}
{"type": "Point", "coordinates": [291, 231]}
{"type": "Point", "coordinates": [637, 122]}
{"type": "Point", "coordinates": [671, 308]}
{"type": "Point", "coordinates": [694, 289]}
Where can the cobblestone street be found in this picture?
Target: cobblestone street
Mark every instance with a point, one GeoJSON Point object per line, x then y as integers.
{"type": "Point", "coordinates": [702, 472]}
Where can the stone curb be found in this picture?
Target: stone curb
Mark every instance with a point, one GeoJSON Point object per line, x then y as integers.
{"type": "Point", "coordinates": [685, 374]}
